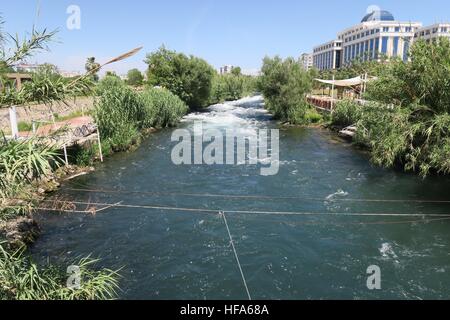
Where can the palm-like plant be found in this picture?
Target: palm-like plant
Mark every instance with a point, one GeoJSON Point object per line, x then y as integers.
{"type": "Point", "coordinates": [21, 279]}
{"type": "Point", "coordinates": [26, 161]}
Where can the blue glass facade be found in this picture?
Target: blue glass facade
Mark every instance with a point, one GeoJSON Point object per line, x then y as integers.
{"type": "Point", "coordinates": [384, 45]}
{"type": "Point", "coordinates": [395, 52]}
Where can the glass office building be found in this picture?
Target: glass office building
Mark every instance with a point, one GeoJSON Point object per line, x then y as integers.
{"type": "Point", "coordinates": [378, 34]}
{"type": "Point", "coordinates": [328, 55]}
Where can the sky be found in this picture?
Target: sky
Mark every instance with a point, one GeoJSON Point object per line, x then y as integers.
{"type": "Point", "coordinates": [222, 32]}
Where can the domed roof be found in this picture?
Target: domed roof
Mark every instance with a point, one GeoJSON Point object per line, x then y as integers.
{"type": "Point", "coordinates": [379, 15]}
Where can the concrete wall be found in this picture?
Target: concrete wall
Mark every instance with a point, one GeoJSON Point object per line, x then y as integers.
{"type": "Point", "coordinates": [43, 113]}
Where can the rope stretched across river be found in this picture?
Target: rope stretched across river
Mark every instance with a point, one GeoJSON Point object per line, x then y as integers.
{"type": "Point", "coordinates": [255, 197]}
{"type": "Point", "coordinates": [248, 212]}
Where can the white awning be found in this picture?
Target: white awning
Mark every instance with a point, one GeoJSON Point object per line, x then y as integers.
{"type": "Point", "coordinates": [346, 83]}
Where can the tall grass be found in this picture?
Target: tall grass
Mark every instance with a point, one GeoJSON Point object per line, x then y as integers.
{"type": "Point", "coordinates": [122, 113]}
{"type": "Point", "coordinates": [119, 114]}
{"type": "Point", "coordinates": [346, 113]}
{"type": "Point", "coordinates": [163, 109]}
{"type": "Point", "coordinates": [22, 279]}
{"type": "Point", "coordinates": [22, 162]}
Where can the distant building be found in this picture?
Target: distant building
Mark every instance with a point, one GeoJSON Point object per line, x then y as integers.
{"type": "Point", "coordinates": [306, 60]}
{"type": "Point", "coordinates": [328, 55]}
{"type": "Point", "coordinates": [226, 69]}
{"type": "Point", "coordinates": [25, 67]}
{"type": "Point", "coordinates": [70, 74]}
{"type": "Point", "coordinates": [378, 34]}
{"type": "Point", "coordinates": [433, 32]}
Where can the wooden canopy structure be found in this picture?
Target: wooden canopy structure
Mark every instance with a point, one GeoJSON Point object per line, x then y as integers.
{"type": "Point", "coordinates": [19, 78]}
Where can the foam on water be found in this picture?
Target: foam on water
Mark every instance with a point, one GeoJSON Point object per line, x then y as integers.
{"type": "Point", "coordinates": [245, 114]}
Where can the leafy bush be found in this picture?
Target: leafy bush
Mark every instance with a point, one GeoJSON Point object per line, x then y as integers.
{"type": "Point", "coordinates": [231, 87]}
{"type": "Point", "coordinates": [119, 114]}
{"type": "Point", "coordinates": [425, 80]}
{"type": "Point", "coordinates": [312, 116]}
{"type": "Point", "coordinates": [415, 130]}
{"type": "Point", "coordinates": [135, 77]}
{"type": "Point", "coordinates": [284, 85]}
{"type": "Point", "coordinates": [108, 83]}
{"type": "Point", "coordinates": [24, 126]}
{"type": "Point", "coordinates": [190, 78]}
{"type": "Point", "coordinates": [26, 161]}
{"type": "Point", "coordinates": [21, 279]}
{"type": "Point", "coordinates": [163, 109]}
{"type": "Point", "coordinates": [346, 113]}
{"type": "Point", "coordinates": [413, 137]}
{"type": "Point", "coordinates": [122, 113]}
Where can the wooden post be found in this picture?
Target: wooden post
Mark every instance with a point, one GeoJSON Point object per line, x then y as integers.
{"type": "Point", "coordinates": [332, 93]}
{"type": "Point", "coordinates": [99, 146]}
{"type": "Point", "coordinates": [65, 155]}
{"type": "Point", "coordinates": [13, 121]}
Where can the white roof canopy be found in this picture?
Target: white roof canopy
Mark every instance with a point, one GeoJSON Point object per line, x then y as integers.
{"type": "Point", "coordinates": [346, 83]}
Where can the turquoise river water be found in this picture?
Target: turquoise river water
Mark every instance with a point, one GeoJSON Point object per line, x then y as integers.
{"type": "Point", "coordinates": [174, 254]}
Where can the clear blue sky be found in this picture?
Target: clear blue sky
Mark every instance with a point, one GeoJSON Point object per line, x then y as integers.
{"type": "Point", "coordinates": [222, 32]}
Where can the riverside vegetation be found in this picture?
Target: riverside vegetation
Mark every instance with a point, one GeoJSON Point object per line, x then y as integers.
{"type": "Point", "coordinates": [123, 115]}
{"type": "Point", "coordinates": [23, 166]}
{"type": "Point", "coordinates": [407, 122]}
{"type": "Point", "coordinates": [285, 85]}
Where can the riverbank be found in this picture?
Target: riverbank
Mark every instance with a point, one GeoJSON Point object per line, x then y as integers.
{"type": "Point", "coordinates": [43, 114]}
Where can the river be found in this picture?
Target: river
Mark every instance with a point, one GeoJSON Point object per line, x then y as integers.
{"type": "Point", "coordinates": [324, 255]}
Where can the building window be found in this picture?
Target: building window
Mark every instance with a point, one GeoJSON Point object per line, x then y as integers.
{"type": "Point", "coordinates": [384, 45]}
{"type": "Point", "coordinates": [385, 29]}
{"type": "Point", "coordinates": [366, 51]}
{"type": "Point", "coordinates": [395, 53]}
{"type": "Point", "coordinates": [406, 50]}
{"type": "Point", "coordinates": [377, 47]}
{"type": "Point", "coordinates": [397, 29]}
{"type": "Point", "coordinates": [371, 49]}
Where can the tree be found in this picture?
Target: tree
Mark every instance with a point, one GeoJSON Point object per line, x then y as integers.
{"type": "Point", "coordinates": [284, 85]}
{"type": "Point", "coordinates": [414, 130]}
{"type": "Point", "coordinates": [237, 71]}
{"type": "Point", "coordinates": [93, 68]}
{"type": "Point", "coordinates": [190, 78]}
{"type": "Point", "coordinates": [135, 77]}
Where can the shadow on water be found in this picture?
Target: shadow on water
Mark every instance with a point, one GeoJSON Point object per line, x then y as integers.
{"type": "Point", "coordinates": [186, 255]}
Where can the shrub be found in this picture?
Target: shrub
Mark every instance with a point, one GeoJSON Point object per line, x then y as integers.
{"type": "Point", "coordinates": [108, 83]}
{"type": "Point", "coordinates": [162, 108]}
{"type": "Point", "coordinates": [26, 161]}
{"type": "Point", "coordinates": [284, 85]}
{"type": "Point", "coordinates": [346, 113]}
{"type": "Point", "coordinates": [231, 87]}
{"type": "Point", "coordinates": [312, 116]}
{"type": "Point", "coordinates": [190, 78]}
{"type": "Point", "coordinates": [21, 279]}
{"type": "Point", "coordinates": [24, 126]}
{"type": "Point", "coordinates": [135, 77]}
{"type": "Point", "coordinates": [119, 114]}
{"type": "Point", "coordinates": [414, 131]}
